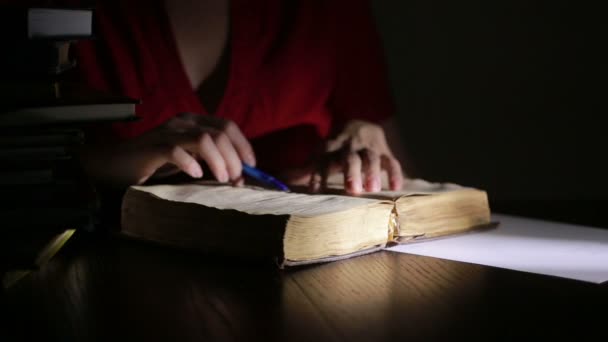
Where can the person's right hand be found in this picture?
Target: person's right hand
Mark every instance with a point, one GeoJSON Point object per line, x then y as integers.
{"type": "Point", "coordinates": [176, 145]}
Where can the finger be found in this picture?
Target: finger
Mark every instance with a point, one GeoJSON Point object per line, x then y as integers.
{"type": "Point", "coordinates": [239, 182]}
{"type": "Point", "coordinates": [329, 164]}
{"type": "Point", "coordinates": [318, 177]}
{"type": "Point", "coordinates": [178, 157]}
{"type": "Point", "coordinates": [372, 169]}
{"type": "Point", "coordinates": [395, 173]}
{"type": "Point", "coordinates": [351, 135]}
{"type": "Point", "coordinates": [241, 144]}
{"type": "Point", "coordinates": [352, 173]}
{"type": "Point", "coordinates": [156, 157]}
{"type": "Point", "coordinates": [202, 144]}
{"type": "Point", "coordinates": [234, 165]}
{"type": "Point", "coordinates": [337, 143]}
{"type": "Point", "coordinates": [166, 170]}
{"type": "Point", "coordinates": [314, 186]}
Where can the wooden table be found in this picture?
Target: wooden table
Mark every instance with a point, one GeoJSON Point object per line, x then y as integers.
{"type": "Point", "coordinates": [103, 289]}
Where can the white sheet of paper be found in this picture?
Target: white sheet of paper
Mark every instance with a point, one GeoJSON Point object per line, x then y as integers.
{"type": "Point", "coordinates": [528, 245]}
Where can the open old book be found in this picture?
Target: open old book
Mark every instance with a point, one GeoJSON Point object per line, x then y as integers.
{"type": "Point", "coordinates": [296, 228]}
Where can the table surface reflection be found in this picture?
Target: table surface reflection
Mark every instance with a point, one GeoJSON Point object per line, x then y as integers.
{"type": "Point", "coordinates": [105, 289]}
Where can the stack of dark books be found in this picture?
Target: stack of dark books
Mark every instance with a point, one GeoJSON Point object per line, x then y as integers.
{"type": "Point", "coordinates": [44, 114]}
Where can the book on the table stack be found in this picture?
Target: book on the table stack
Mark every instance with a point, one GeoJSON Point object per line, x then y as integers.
{"type": "Point", "coordinates": [44, 114]}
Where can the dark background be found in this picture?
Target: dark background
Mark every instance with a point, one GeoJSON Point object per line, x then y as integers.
{"type": "Point", "coordinates": [504, 95]}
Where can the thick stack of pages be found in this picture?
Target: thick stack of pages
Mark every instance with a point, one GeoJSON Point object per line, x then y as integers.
{"type": "Point", "coordinates": [45, 196]}
{"type": "Point", "coordinates": [298, 228]}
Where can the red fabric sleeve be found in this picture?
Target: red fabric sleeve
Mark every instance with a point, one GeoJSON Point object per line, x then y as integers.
{"type": "Point", "coordinates": [362, 87]}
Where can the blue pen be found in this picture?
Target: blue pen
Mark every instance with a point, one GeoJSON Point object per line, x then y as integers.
{"type": "Point", "coordinates": [263, 177]}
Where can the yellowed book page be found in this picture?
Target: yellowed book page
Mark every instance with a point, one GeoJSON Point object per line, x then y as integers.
{"type": "Point", "coordinates": [256, 201]}
{"type": "Point", "coordinates": [411, 186]}
{"type": "Point", "coordinates": [431, 216]}
{"type": "Point", "coordinates": [332, 235]}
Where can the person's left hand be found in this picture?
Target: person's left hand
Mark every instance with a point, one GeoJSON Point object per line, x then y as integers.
{"type": "Point", "coordinates": [361, 152]}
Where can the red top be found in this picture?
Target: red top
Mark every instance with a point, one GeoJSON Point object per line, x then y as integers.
{"type": "Point", "coordinates": [296, 74]}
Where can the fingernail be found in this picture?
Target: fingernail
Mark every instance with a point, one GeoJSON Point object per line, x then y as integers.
{"type": "Point", "coordinates": [370, 184]}
{"type": "Point", "coordinates": [196, 172]}
{"type": "Point", "coordinates": [240, 181]}
{"type": "Point", "coordinates": [250, 159]}
{"type": "Point", "coordinates": [394, 184]}
{"type": "Point", "coordinates": [358, 187]}
{"type": "Point", "coordinates": [354, 187]}
{"type": "Point", "coordinates": [375, 185]}
{"type": "Point", "coordinates": [314, 187]}
{"type": "Point", "coordinates": [222, 177]}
